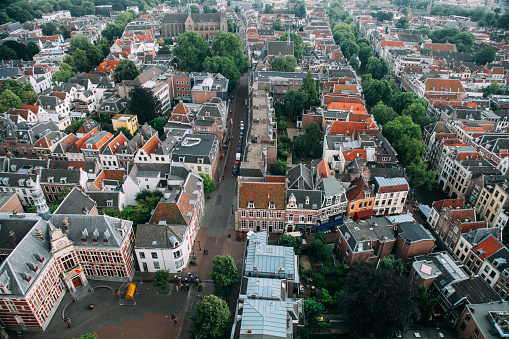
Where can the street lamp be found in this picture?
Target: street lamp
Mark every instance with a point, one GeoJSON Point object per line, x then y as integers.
{"type": "Point", "coordinates": [199, 246]}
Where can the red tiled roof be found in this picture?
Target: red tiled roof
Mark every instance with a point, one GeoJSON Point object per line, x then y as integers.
{"type": "Point", "coordinates": [275, 178]}
{"type": "Point", "coordinates": [108, 65]}
{"type": "Point", "coordinates": [33, 108]}
{"type": "Point", "coordinates": [448, 85]}
{"type": "Point", "coordinates": [169, 212]}
{"type": "Point", "coordinates": [346, 127]}
{"type": "Point", "coordinates": [262, 193]}
{"type": "Point", "coordinates": [323, 169]}
{"type": "Point", "coordinates": [339, 88]}
{"type": "Point", "coordinates": [489, 245]}
{"type": "Point", "coordinates": [440, 47]}
{"type": "Point", "coordinates": [118, 175]}
{"type": "Point", "coordinates": [386, 43]}
{"type": "Point", "coordinates": [118, 141]}
{"type": "Point", "coordinates": [151, 145]}
{"type": "Point", "coordinates": [87, 136]}
{"type": "Point", "coordinates": [21, 112]}
{"type": "Point", "coordinates": [450, 203]}
{"type": "Point", "coordinates": [180, 109]}
{"type": "Point", "coordinates": [356, 107]}
{"type": "Point", "coordinates": [352, 154]}
{"type": "Point", "coordinates": [470, 226]}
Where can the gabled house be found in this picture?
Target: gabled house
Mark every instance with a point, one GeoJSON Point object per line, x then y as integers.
{"type": "Point", "coordinates": [361, 199]}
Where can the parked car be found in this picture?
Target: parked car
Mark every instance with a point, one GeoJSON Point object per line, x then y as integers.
{"type": "Point", "coordinates": [236, 168]}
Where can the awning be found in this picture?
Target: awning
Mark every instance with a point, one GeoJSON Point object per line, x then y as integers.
{"type": "Point", "coordinates": [330, 224]}
{"type": "Point", "coordinates": [425, 209]}
{"type": "Point", "coordinates": [364, 214]}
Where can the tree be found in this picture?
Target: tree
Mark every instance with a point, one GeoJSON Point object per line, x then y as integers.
{"type": "Point", "coordinates": [7, 53]}
{"type": "Point", "coordinates": [284, 64]}
{"type": "Point", "coordinates": [376, 91]}
{"type": "Point", "coordinates": [113, 31]}
{"type": "Point", "coordinates": [211, 319]}
{"type": "Point", "coordinates": [64, 73]}
{"type": "Point", "coordinates": [310, 89]}
{"type": "Point", "coordinates": [312, 311]}
{"type": "Point", "coordinates": [278, 168]}
{"type": "Point", "coordinates": [32, 48]}
{"type": "Point", "coordinates": [365, 52]}
{"type": "Point", "coordinates": [426, 51]}
{"type": "Point", "coordinates": [418, 113]}
{"type": "Point", "coordinates": [225, 275]}
{"type": "Point", "coordinates": [377, 67]}
{"type": "Point", "coordinates": [383, 113]}
{"type": "Point", "coordinates": [402, 125]}
{"type": "Point", "coordinates": [9, 100]}
{"type": "Point", "coordinates": [126, 70]}
{"type": "Point", "coordinates": [144, 104]}
{"type": "Point", "coordinates": [401, 100]}
{"type": "Point", "coordinates": [48, 28]}
{"type": "Point", "coordinates": [354, 62]}
{"type": "Point", "coordinates": [383, 16]}
{"type": "Point", "coordinates": [376, 301]}
{"type": "Point", "coordinates": [161, 278]}
{"type": "Point", "coordinates": [289, 241]}
{"type": "Point", "coordinates": [300, 10]}
{"type": "Point", "coordinates": [485, 56]}
{"type": "Point", "coordinates": [503, 21]}
{"type": "Point", "coordinates": [209, 184]}
{"type": "Point", "coordinates": [164, 50]}
{"type": "Point", "coordinates": [81, 60]}
{"type": "Point", "coordinates": [494, 88]}
{"type": "Point", "coordinates": [349, 48]}
{"type": "Point", "coordinates": [314, 136]}
{"type": "Point", "coordinates": [464, 41]}
{"type": "Point", "coordinates": [224, 65]}
{"type": "Point", "coordinates": [23, 90]}
{"type": "Point", "coordinates": [427, 302]}
{"type": "Point", "coordinates": [89, 336]}
{"type": "Point", "coordinates": [195, 9]}
{"type": "Point", "coordinates": [294, 103]}
{"type": "Point", "coordinates": [421, 176]}
{"type": "Point", "coordinates": [320, 250]}
{"type": "Point", "coordinates": [158, 124]}
{"type": "Point", "coordinates": [277, 25]}
{"type": "Point", "coordinates": [191, 50]}
{"type": "Point", "coordinates": [390, 263]}
{"type": "Point", "coordinates": [403, 23]}
{"type": "Point", "coordinates": [124, 131]}
{"type": "Point", "coordinates": [268, 9]}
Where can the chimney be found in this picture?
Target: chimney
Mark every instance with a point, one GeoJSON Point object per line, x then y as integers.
{"type": "Point", "coordinates": [249, 331]}
{"type": "Point", "coordinates": [65, 221]}
{"type": "Point", "coordinates": [39, 234]}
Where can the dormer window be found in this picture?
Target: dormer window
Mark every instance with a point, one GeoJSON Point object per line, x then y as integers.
{"type": "Point", "coordinates": [63, 180]}
{"type": "Point", "coordinates": [272, 205]}
{"type": "Point", "coordinates": [200, 160]}
{"type": "Point", "coordinates": [51, 179]}
{"type": "Point", "coordinates": [182, 159]}
{"type": "Point", "coordinates": [106, 236]}
{"type": "Point", "coordinates": [251, 204]}
{"type": "Point", "coordinates": [307, 200]}
{"type": "Point", "coordinates": [95, 235]}
{"type": "Point", "coordinates": [84, 235]}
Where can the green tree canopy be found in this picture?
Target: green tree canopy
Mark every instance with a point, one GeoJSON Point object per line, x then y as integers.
{"type": "Point", "coordinates": [367, 308]}
{"type": "Point", "coordinates": [9, 100]}
{"type": "Point", "coordinates": [312, 312]}
{"type": "Point", "coordinates": [401, 100]}
{"type": "Point", "coordinates": [7, 53]}
{"type": "Point", "coordinates": [161, 278]}
{"type": "Point", "coordinates": [158, 124]}
{"type": "Point", "coordinates": [224, 65]}
{"type": "Point", "coordinates": [377, 67]}
{"type": "Point", "coordinates": [278, 168]}
{"type": "Point", "coordinates": [230, 45]}
{"type": "Point", "coordinates": [390, 263]}
{"type": "Point", "coordinates": [418, 113]}
{"type": "Point", "coordinates": [225, 275]}
{"type": "Point", "coordinates": [320, 250]}
{"type": "Point", "coordinates": [144, 104]}
{"type": "Point", "coordinates": [494, 88]}
{"type": "Point", "coordinates": [209, 184]}
{"type": "Point", "coordinates": [23, 90]}
{"type": "Point", "coordinates": [284, 64]}
{"type": "Point", "coordinates": [277, 25]}
{"type": "Point", "coordinates": [289, 241]}
{"type": "Point", "coordinates": [294, 103]}
{"type": "Point", "coordinates": [211, 319]}
{"type": "Point", "coordinates": [126, 70]}
{"type": "Point", "coordinates": [354, 62]}
{"type": "Point", "coordinates": [310, 88]}
{"type": "Point", "coordinates": [427, 302]}
{"type": "Point", "coordinates": [376, 90]}
{"type": "Point", "coordinates": [402, 125]}
{"type": "Point", "coordinates": [383, 113]}
{"type": "Point", "coordinates": [365, 52]}
{"type": "Point", "coordinates": [64, 73]}
{"type": "Point", "coordinates": [403, 22]}
{"type": "Point", "coordinates": [349, 48]}
{"type": "Point", "coordinates": [113, 31]}
{"type": "Point", "coordinates": [485, 56]}
{"type": "Point", "coordinates": [191, 50]}
{"type": "Point", "coordinates": [81, 60]}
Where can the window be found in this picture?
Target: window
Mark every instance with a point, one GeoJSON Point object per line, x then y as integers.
{"type": "Point", "coordinates": [278, 215]}
{"type": "Point", "coordinates": [251, 204]}
{"type": "Point", "coordinates": [243, 224]}
{"type": "Point", "coordinates": [272, 205]}
{"type": "Point", "coordinates": [156, 265]}
{"type": "Point", "coordinates": [243, 214]}
{"type": "Point", "coordinates": [251, 224]}
{"type": "Point", "coordinates": [264, 214]}
{"type": "Point", "coordinates": [179, 263]}
{"type": "Point", "coordinates": [258, 214]}
{"type": "Point", "coordinates": [177, 254]}
{"type": "Point", "coordinates": [68, 262]}
{"type": "Point", "coordinates": [264, 225]}
{"type": "Point", "coordinates": [251, 214]}
{"type": "Point", "coordinates": [290, 217]}
{"type": "Point", "coordinates": [281, 225]}
{"type": "Point", "coordinates": [310, 218]}
{"type": "Point", "coordinates": [154, 255]}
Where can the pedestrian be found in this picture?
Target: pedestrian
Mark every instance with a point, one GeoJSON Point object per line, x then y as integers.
{"type": "Point", "coordinates": [190, 274]}
{"type": "Point", "coordinates": [197, 281]}
{"type": "Point", "coordinates": [173, 317]}
{"type": "Point", "coordinates": [175, 277]}
{"type": "Point", "coordinates": [175, 320]}
{"type": "Point", "coordinates": [177, 287]}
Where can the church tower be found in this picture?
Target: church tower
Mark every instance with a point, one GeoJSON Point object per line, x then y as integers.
{"type": "Point", "coordinates": [39, 200]}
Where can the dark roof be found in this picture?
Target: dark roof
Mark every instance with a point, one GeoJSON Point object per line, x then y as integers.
{"type": "Point", "coordinates": [159, 235]}
{"type": "Point", "coordinates": [413, 231]}
{"type": "Point", "coordinates": [302, 196]}
{"type": "Point", "coordinates": [76, 202]}
{"type": "Point", "coordinates": [279, 48]}
{"type": "Point", "coordinates": [300, 177]}
{"type": "Point", "coordinates": [475, 289]}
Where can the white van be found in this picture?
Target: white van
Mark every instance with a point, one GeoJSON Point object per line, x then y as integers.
{"type": "Point", "coordinates": [237, 157]}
